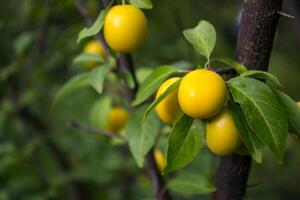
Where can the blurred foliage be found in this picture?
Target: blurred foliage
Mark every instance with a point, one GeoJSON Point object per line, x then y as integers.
{"type": "Point", "coordinates": [41, 158]}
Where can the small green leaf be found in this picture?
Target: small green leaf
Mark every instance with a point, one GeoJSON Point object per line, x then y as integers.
{"type": "Point", "coordinates": [168, 91]}
{"type": "Point", "coordinates": [97, 77]}
{"type": "Point", "coordinates": [262, 111]}
{"type": "Point", "coordinates": [199, 127]}
{"type": "Point", "coordinates": [8, 71]}
{"type": "Point", "coordinates": [239, 68]}
{"type": "Point", "coordinates": [87, 57]}
{"type": "Point", "coordinates": [184, 143]}
{"type": "Point", "coordinates": [141, 135]}
{"type": "Point", "coordinates": [95, 28]}
{"type": "Point", "coordinates": [7, 148]}
{"type": "Point", "coordinates": [292, 111]}
{"type": "Point", "coordinates": [143, 4]}
{"type": "Point", "coordinates": [75, 83]}
{"type": "Point", "coordinates": [263, 75]}
{"type": "Point", "coordinates": [249, 138]}
{"type": "Point", "coordinates": [143, 73]}
{"type": "Point", "coordinates": [191, 184]}
{"type": "Point", "coordinates": [99, 112]}
{"type": "Point", "coordinates": [202, 38]}
{"type": "Point", "coordinates": [22, 42]}
{"type": "Point", "coordinates": [127, 78]}
{"type": "Point", "coordinates": [152, 82]}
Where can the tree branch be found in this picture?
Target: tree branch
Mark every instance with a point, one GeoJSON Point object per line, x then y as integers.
{"type": "Point", "coordinates": [125, 63]}
{"type": "Point", "coordinates": [82, 127]}
{"type": "Point", "coordinates": [253, 49]}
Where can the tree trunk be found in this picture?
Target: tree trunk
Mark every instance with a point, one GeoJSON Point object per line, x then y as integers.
{"type": "Point", "coordinates": [253, 49]}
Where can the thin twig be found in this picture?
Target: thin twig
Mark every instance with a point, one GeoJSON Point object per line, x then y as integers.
{"type": "Point", "coordinates": [106, 2]}
{"type": "Point", "coordinates": [83, 12]}
{"type": "Point", "coordinates": [158, 184]}
{"type": "Point", "coordinates": [75, 125]}
{"type": "Point", "coordinates": [286, 15]}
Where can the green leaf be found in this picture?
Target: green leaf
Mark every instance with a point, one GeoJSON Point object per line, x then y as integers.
{"type": "Point", "coordinates": [7, 148]}
{"type": "Point", "coordinates": [22, 42]}
{"type": "Point", "coordinates": [152, 82]}
{"type": "Point", "coordinates": [8, 71]}
{"type": "Point", "coordinates": [199, 127]}
{"type": "Point", "coordinates": [87, 57]}
{"type": "Point", "coordinates": [239, 68]}
{"type": "Point", "coordinates": [191, 184]}
{"type": "Point", "coordinates": [143, 73]}
{"type": "Point", "coordinates": [263, 75]}
{"type": "Point", "coordinates": [99, 112]}
{"type": "Point", "coordinates": [292, 111]}
{"type": "Point", "coordinates": [184, 143]}
{"type": "Point", "coordinates": [95, 28]}
{"type": "Point", "coordinates": [97, 77]}
{"type": "Point", "coordinates": [182, 65]}
{"type": "Point", "coordinates": [262, 111]}
{"type": "Point", "coordinates": [202, 38]}
{"type": "Point", "coordinates": [249, 138]}
{"type": "Point", "coordinates": [144, 4]}
{"type": "Point", "coordinates": [75, 83]}
{"type": "Point", "coordinates": [141, 135]}
{"type": "Point", "coordinates": [127, 78]}
{"type": "Point", "coordinates": [168, 91]}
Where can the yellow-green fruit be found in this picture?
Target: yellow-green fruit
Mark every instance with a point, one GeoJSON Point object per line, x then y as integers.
{"type": "Point", "coordinates": [222, 136]}
{"type": "Point", "coordinates": [202, 93]}
{"type": "Point", "coordinates": [93, 47]}
{"type": "Point", "coordinates": [160, 159]}
{"type": "Point", "coordinates": [298, 103]}
{"type": "Point", "coordinates": [125, 28]}
{"type": "Point", "coordinates": [168, 108]}
{"type": "Point", "coordinates": [117, 119]}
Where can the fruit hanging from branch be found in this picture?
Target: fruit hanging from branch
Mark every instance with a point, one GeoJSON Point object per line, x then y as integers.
{"type": "Point", "coordinates": [168, 108]}
{"type": "Point", "coordinates": [93, 47]}
{"type": "Point", "coordinates": [222, 136]}
{"type": "Point", "coordinates": [202, 93]}
{"type": "Point", "coordinates": [125, 28]}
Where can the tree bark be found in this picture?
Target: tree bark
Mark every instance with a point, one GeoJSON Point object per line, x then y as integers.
{"type": "Point", "coordinates": [253, 49]}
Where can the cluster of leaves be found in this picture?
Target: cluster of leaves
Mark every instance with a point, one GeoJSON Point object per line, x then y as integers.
{"type": "Point", "coordinates": [142, 130]}
{"type": "Point", "coordinates": [263, 114]}
{"type": "Point", "coordinates": [96, 77]}
{"type": "Point", "coordinates": [98, 24]}
{"type": "Point", "coordinates": [29, 168]}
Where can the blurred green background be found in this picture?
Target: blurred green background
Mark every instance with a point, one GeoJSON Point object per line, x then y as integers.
{"type": "Point", "coordinates": [41, 158]}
